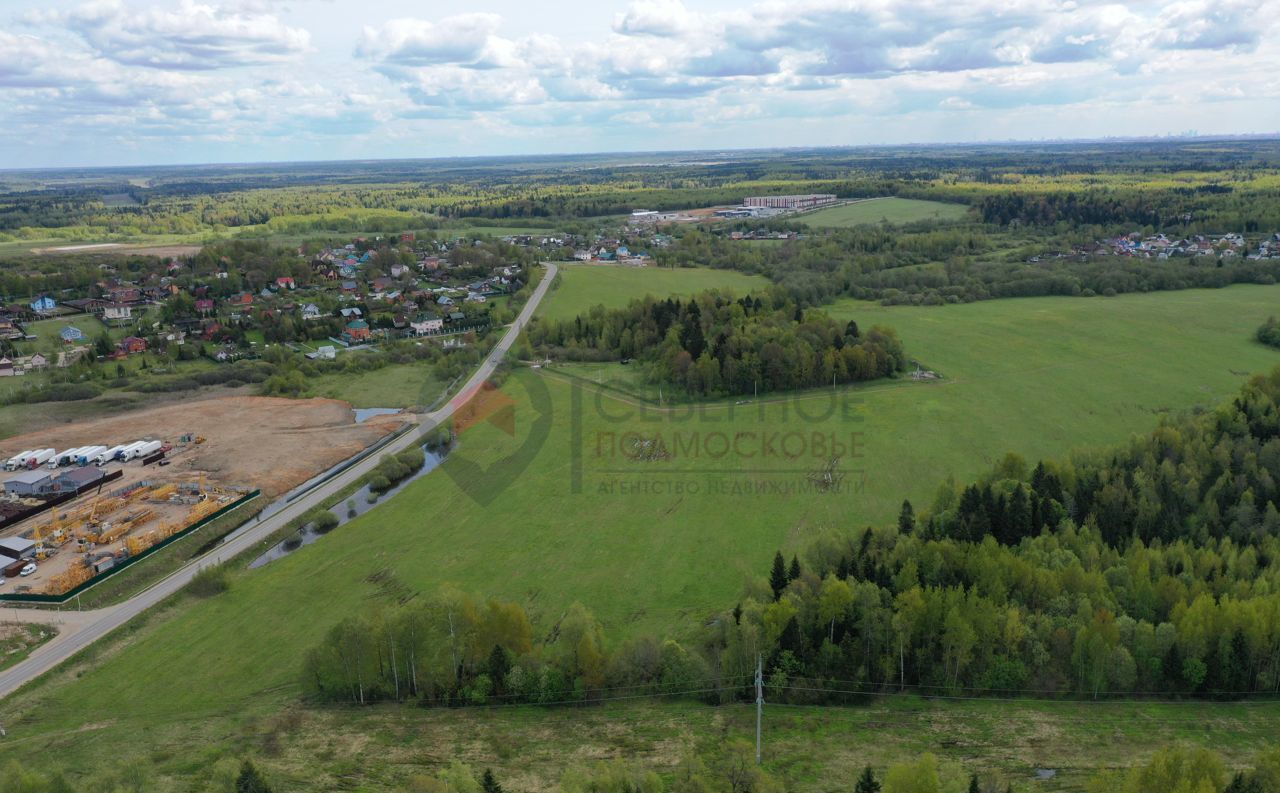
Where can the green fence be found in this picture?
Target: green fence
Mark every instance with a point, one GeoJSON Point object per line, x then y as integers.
{"type": "Point", "coordinates": [100, 577]}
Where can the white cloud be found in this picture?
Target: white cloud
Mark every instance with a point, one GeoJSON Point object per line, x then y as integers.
{"type": "Point", "coordinates": [247, 70]}
{"type": "Point", "coordinates": [193, 35]}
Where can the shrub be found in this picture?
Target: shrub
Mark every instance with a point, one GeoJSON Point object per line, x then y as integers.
{"type": "Point", "coordinates": [209, 582]}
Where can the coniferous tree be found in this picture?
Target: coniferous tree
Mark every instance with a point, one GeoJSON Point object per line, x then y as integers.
{"type": "Point", "coordinates": [499, 666]}
{"type": "Point", "coordinates": [906, 518]}
{"type": "Point", "coordinates": [488, 783]}
{"type": "Point", "coordinates": [794, 572]}
{"type": "Point", "coordinates": [974, 787]}
{"type": "Point", "coordinates": [778, 576]}
{"type": "Point", "coordinates": [867, 782]}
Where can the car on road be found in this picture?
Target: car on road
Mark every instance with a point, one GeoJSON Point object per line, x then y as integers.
{"type": "Point", "coordinates": [29, 569]}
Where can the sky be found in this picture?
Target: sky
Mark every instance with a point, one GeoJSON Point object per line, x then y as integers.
{"type": "Point", "coordinates": [139, 82]}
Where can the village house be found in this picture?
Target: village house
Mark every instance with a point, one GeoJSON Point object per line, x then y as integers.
{"type": "Point", "coordinates": [348, 313]}
{"type": "Point", "coordinates": [71, 334]}
{"type": "Point", "coordinates": [204, 305]}
{"type": "Point", "coordinates": [9, 328]}
{"type": "Point", "coordinates": [240, 300]}
{"type": "Point", "coordinates": [121, 293]}
{"type": "Point", "coordinates": [311, 311]}
{"type": "Point", "coordinates": [426, 323]}
{"type": "Point", "coordinates": [43, 305]}
{"type": "Point", "coordinates": [357, 331]}
{"type": "Point", "coordinates": [117, 312]}
{"type": "Point", "coordinates": [131, 345]}
{"type": "Point", "coordinates": [285, 282]}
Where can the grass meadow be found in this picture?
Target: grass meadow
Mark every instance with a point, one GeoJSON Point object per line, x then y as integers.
{"type": "Point", "coordinates": [887, 210]}
{"type": "Point", "coordinates": [585, 285]}
{"type": "Point", "coordinates": [654, 545]}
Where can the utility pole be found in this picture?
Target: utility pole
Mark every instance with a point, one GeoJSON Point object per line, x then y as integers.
{"type": "Point", "coordinates": [759, 703]}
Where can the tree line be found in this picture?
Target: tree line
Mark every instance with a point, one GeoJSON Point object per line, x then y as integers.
{"type": "Point", "coordinates": [1152, 569]}
{"type": "Point", "coordinates": [925, 264]}
{"type": "Point", "coordinates": [714, 345]}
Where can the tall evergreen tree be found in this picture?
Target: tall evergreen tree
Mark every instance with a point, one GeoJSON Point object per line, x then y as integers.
{"type": "Point", "coordinates": [488, 783]}
{"type": "Point", "coordinates": [499, 666]}
{"type": "Point", "coordinates": [867, 782]}
{"type": "Point", "coordinates": [906, 518]}
{"type": "Point", "coordinates": [794, 571]}
{"type": "Point", "coordinates": [778, 576]}
{"type": "Point", "coordinates": [974, 787]}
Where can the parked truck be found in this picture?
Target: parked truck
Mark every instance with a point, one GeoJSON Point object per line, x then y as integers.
{"type": "Point", "coordinates": [88, 454]}
{"type": "Point", "coordinates": [126, 452]}
{"type": "Point", "coordinates": [148, 448]}
{"type": "Point", "coordinates": [15, 569]}
{"type": "Point", "coordinates": [18, 460]}
{"type": "Point", "coordinates": [39, 458]}
{"type": "Point", "coordinates": [107, 455]}
{"type": "Point", "coordinates": [65, 457]}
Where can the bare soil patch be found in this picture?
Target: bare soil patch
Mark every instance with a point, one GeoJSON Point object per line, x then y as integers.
{"type": "Point", "coordinates": [269, 443]}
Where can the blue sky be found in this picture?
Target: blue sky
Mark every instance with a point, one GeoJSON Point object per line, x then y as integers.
{"type": "Point", "coordinates": [128, 82]}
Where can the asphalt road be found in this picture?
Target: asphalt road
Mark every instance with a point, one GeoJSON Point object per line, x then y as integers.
{"type": "Point", "coordinates": [79, 629]}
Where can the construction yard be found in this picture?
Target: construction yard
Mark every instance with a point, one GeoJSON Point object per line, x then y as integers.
{"type": "Point", "coordinates": [202, 457]}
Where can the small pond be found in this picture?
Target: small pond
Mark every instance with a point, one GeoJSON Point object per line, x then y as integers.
{"type": "Point", "coordinates": [364, 414]}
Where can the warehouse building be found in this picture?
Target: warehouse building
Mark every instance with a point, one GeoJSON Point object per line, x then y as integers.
{"type": "Point", "coordinates": [17, 548]}
{"type": "Point", "coordinates": [29, 483]}
{"type": "Point", "coordinates": [77, 479]}
{"type": "Point", "coordinates": [793, 202]}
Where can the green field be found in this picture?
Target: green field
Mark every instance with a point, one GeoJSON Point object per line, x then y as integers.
{"type": "Point", "coordinates": [887, 210]}
{"type": "Point", "coordinates": [652, 549]}
{"type": "Point", "coordinates": [393, 386]}
{"type": "Point", "coordinates": [585, 285]}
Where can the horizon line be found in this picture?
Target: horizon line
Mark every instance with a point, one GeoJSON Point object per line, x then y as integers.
{"type": "Point", "coordinates": [1120, 139]}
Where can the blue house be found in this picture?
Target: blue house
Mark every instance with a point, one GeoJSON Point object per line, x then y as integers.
{"type": "Point", "coordinates": [43, 304]}
{"type": "Point", "coordinates": [71, 334]}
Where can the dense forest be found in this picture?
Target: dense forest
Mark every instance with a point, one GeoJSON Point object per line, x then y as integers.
{"type": "Point", "coordinates": [930, 265]}
{"type": "Point", "coordinates": [713, 345]}
{"type": "Point", "coordinates": [1148, 570]}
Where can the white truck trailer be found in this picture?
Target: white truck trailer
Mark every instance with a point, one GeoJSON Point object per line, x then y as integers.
{"type": "Point", "coordinates": [18, 460]}
{"type": "Point", "coordinates": [40, 457]}
{"type": "Point", "coordinates": [130, 451]}
{"type": "Point", "coordinates": [64, 457]}
{"type": "Point", "coordinates": [107, 455]}
{"type": "Point", "coordinates": [146, 449]}
{"type": "Point", "coordinates": [88, 454]}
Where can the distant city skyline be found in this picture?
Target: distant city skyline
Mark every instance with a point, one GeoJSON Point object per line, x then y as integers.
{"type": "Point", "coordinates": [126, 82]}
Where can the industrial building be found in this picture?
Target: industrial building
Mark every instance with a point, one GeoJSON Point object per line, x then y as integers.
{"type": "Point", "coordinates": [29, 483]}
{"type": "Point", "coordinates": [791, 202]}
{"type": "Point", "coordinates": [77, 479]}
{"type": "Point", "coordinates": [17, 548]}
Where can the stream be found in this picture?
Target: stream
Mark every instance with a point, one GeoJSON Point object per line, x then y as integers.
{"type": "Point", "coordinates": [352, 507]}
